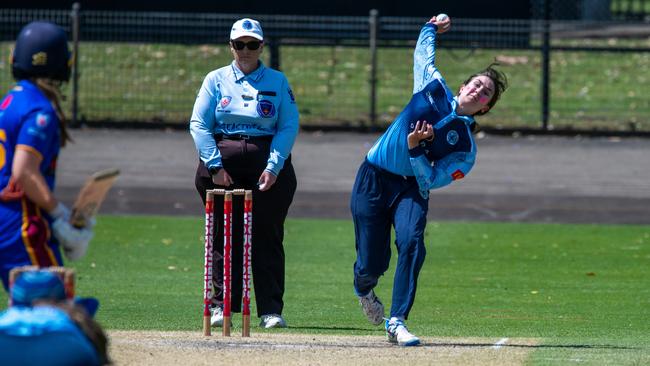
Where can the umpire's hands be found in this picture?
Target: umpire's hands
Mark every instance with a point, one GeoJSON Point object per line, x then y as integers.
{"type": "Point", "coordinates": [222, 178]}
{"type": "Point", "coordinates": [267, 179]}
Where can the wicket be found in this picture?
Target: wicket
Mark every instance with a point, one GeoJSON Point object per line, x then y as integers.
{"type": "Point", "coordinates": [227, 258]}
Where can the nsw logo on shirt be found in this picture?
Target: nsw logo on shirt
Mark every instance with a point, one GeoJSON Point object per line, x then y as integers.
{"type": "Point", "coordinates": [225, 101]}
{"type": "Point", "coordinates": [265, 109]}
{"type": "Point", "coordinates": [452, 137]}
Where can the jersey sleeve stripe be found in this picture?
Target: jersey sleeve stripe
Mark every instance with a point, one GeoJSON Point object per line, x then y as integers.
{"type": "Point", "coordinates": [30, 149]}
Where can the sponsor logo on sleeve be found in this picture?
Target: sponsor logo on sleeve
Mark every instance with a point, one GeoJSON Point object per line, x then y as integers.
{"type": "Point", "coordinates": [429, 70]}
{"type": "Point", "coordinates": [457, 175]}
{"type": "Point", "coordinates": [265, 109]}
{"type": "Point", "coordinates": [42, 120]}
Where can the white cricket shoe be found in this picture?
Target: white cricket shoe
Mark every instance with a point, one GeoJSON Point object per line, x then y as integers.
{"type": "Point", "coordinates": [397, 332]}
{"type": "Point", "coordinates": [216, 319]}
{"type": "Point", "coordinates": [272, 321]}
{"type": "Point", "coordinates": [372, 307]}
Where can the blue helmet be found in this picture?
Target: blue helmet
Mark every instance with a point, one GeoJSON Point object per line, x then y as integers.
{"type": "Point", "coordinates": [37, 285]}
{"type": "Point", "coordinates": [41, 51]}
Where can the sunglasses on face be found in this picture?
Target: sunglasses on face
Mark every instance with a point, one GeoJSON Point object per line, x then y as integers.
{"type": "Point", "coordinates": [251, 45]}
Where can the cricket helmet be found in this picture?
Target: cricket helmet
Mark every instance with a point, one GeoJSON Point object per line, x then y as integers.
{"type": "Point", "coordinates": [41, 51]}
{"type": "Point", "coordinates": [36, 285]}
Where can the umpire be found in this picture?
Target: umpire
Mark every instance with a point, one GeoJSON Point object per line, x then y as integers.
{"type": "Point", "coordinates": [244, 124]}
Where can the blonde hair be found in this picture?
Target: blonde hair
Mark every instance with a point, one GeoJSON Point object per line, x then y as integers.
{"type": "Point", "coordinates": [52, 90]}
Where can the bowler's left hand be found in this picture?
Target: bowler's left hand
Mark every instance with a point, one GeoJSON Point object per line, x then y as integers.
{"type": "Point", "coordinates": [267, 179]}
{"type": "Point", "coordinates": [422, 131]}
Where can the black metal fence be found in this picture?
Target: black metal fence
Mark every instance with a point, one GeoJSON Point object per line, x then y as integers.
{"type": "Point", "coordinates": [638, 10]}
{"type": "Point", "coordinates": [145, 68]}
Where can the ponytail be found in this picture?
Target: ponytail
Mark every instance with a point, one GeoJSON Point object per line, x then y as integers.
{"type": "Point", "coordinates": [52, 90]}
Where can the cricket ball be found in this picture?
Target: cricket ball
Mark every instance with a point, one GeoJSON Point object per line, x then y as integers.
{"type": "Point", "coordinates": [442, 17]}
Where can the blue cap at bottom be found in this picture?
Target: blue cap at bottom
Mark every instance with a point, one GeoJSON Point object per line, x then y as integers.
{"type": "Point", "coordinates": [45, 285]}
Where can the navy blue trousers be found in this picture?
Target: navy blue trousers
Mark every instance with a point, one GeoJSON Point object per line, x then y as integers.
{"type": "Point", "coordinates": [380, 200]}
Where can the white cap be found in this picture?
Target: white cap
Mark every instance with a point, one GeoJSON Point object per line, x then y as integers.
{"type": "Point", "coordinates": [247, 27]}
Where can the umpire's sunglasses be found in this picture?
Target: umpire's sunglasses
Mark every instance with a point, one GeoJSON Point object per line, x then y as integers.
{"type": "Point", "coordinates": [251, 45]}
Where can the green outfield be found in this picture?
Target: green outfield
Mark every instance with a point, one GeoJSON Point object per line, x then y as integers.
{"type": "Point", "coordinates": [581, 291]}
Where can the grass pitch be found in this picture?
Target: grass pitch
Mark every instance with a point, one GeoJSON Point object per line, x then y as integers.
{"type": "Point", "coordinates": [580, 291]}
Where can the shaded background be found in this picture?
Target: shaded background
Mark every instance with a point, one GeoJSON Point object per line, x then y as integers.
{"type": "Point", "coordinates": [142, 68]}
{"type": "Point", "coordinates": [469, 8]}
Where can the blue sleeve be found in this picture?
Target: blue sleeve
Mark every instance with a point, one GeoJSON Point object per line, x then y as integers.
{"type": "Point", "coordinates": [424, 58]}
{"type": "Point", "coordinates": [442, 172]}
{"type": "Point", "coordinates": [286, 130]}
{"type": "Point", "coordinates": [203, 121]}
{"type": "Point", "coordinates": [40, 133]}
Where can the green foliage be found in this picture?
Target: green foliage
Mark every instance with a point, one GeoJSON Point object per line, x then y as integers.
{"type": "Point", "coordinates": [159, 82]}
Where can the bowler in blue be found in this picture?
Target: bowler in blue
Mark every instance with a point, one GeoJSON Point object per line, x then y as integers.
{"type": "Point", "coordinates": [244, 125]}
{"type": "Point", "coordinates": [428, 146]}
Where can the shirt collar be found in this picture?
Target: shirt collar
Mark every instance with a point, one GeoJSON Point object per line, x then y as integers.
{"type": "Point", "coordinates": [26, 83]}
{"type": "Point", "coordinates": [255, 75]}
{"type": "Point", "coordinates": [467, 119]}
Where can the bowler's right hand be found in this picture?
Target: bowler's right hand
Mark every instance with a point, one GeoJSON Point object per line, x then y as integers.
{"type": "Point", "coordinates": [443, 26]}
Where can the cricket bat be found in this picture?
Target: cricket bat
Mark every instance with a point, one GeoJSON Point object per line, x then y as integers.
{"type": "Point", "coordinates": [91, 196]}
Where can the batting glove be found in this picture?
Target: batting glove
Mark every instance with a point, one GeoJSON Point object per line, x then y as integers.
{"type": "Point", "coordinates": [74, 241]}
{"type": "Point", "coordinates": [60, 212]}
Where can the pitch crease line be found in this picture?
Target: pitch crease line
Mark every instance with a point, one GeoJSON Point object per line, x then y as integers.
{"type": "Point", "coordinates": [500, 343]}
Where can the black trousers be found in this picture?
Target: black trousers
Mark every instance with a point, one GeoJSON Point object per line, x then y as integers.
{"type": "Point", "coordinates": [245, 160]}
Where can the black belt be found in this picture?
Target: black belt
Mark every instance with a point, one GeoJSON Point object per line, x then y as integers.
{"type": "Point", "coordinates": [239, 137]}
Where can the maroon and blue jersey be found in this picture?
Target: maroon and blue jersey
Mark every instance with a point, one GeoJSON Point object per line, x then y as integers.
{"type": "Point", "coordinates": [27, 122]}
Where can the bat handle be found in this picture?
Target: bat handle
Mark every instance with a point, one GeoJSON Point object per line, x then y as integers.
{"type": "Point", "coordinates": [77, 219]}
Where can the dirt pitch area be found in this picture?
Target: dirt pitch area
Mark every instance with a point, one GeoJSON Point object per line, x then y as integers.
{"type": "Point", "coordinates": [192, 348]}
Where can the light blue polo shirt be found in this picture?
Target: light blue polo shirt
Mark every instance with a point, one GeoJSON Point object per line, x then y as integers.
{"type": "Point", "coordinates": [258, 104]}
